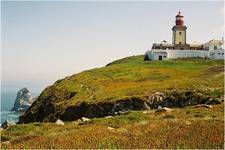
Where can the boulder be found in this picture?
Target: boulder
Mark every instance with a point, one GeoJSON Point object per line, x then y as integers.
{"type": "Point", "coordinates": [23, 100]}
{"type": "Point", "coordinates": [159, 107]}
{"type": "Point", "coordinates": [59, 122]}
{"type": "Point", "coordinates": [77, 122]}
{"type": "Point", "coordinates": [163, 109]}
{"type": "Point", "coordinates": [7, 124]}
{"type": "Point", "coordinates": [166, 109]}
{"type": "Point", "coordinates": [188, 122]}
{"type": "Point", "coordinates": [146, 112]}
{"type": "Point", "coordinates": [123, 112]}
{"type": "Point", "coordinates": [108, 117]}
{"type": "Point", "coordinates": [203, 105]}
{"type": "Point", "coordinates": [115, 113]}
{"type": "Point", "coordinates": [158, 93]}
{"type": "Point", "coordinates": [110, 128]}
{"type": "Point", "coordinates": [85, 119]}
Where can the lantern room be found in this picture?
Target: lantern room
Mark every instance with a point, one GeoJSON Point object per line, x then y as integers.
{"type": "Point", "coordinates": [179, 19]}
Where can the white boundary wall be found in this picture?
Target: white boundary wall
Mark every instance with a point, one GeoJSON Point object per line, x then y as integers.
{"type": "Point", "coordinates": [173, 54]}
{"type": "Point", "coordinates": [187, 53]}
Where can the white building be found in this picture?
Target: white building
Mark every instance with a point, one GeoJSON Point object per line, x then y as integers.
{"type": "Point", "coordinates": [216, 54]}
{"type": "Point", "coordinates": [161, 54]}
{"type": "Point", "coordinates": [214, 49]}
{"type": "Point", "coordinates": [214, 45]}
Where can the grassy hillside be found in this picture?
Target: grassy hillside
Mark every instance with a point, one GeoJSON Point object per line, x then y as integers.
{"type": "Point", "coordinates": [124, 79]}
{"type": "Point", "coordinates": [134, 77]}
{"type": "Point", "coordinates": [129, 83]}
{"type": "Point", "coordinates": [188, 128]}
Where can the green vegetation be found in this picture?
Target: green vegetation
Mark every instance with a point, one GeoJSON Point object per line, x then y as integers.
{"type": "Point", "coordinates": [134, 77]}
{"type": "Point", "coordinates": [133, 81]}
{"type": "Point", "coordinates": [187, 127]}
{"type": "Point", "coordinates": [127, 78]}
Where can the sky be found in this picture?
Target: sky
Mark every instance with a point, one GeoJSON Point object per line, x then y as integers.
{"type": "Point", "coordinates": [42, 42]}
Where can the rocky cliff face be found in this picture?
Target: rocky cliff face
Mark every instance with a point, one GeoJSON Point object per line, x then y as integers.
{"type": "Point", "coordinates": [23, 100]}
{"type": "Point", "coordinates": [49, 112]}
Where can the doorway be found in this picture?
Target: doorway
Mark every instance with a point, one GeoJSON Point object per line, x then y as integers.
{"type": "Point", "coordinates": [160, 57]}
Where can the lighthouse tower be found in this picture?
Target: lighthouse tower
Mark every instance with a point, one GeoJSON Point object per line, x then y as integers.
{"type": "Point", "coordinates": [179, 33]}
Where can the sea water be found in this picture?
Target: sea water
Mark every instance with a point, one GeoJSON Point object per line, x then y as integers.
{"type": "Point", "coordinates": [7, 102]}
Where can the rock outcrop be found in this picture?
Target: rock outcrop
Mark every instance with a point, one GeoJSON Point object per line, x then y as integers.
{"type": "Point", "coordinates": [23, 101]}
{"type": "Point", "coordinates": [7, 124]}
{"type": "Point", "coordinates": [48, 112]}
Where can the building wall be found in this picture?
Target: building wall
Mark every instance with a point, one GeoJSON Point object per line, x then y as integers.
{"type": "Point", "coordinates": [180, 37]}
{"type": "Point", "coordinates": [187, 54]}
{"type": "Point", "coordinates": [211, 47]}
{"type": "Point", "coordinates": [217, 54]}
{"type": "Point", "coordinates": [154, 54]}
{"type": "Point", "coordinates": [173, 54]}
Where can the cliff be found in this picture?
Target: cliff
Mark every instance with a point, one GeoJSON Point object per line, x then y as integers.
{"type": "Point", "coordinates": [129, 84]}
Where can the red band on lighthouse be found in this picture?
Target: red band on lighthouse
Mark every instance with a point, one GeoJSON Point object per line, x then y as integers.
{"type": "Point", "coordinates": [179, 19]}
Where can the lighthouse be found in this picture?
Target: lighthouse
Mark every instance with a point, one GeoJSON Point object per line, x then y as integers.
{"type": "Point", "coordinates": [179, 33]}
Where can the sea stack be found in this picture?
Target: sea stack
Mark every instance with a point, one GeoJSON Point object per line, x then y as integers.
{"type": "Point", "coordinates": [23, 101]}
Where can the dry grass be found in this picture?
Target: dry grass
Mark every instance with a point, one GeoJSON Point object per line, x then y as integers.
{"type": "Point", "coordinates": [182, 128]}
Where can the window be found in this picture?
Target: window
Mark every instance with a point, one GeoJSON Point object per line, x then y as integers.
{"type": "Point", "coordinates": [218, 53]}
{"type": "Point", "coordinates": [222, 53]}
{"type": "Point", "coordinates": [215, 47]}
{"type": "Point", "coordinates": [164, 56]}
{"type": "Point", "coordinates": [180, 33]}
{"type": "Point", "coordinates": [180, 43]}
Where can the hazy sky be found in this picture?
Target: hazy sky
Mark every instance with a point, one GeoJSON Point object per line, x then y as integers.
{"type": "Point", "coordinates": [46, 41]}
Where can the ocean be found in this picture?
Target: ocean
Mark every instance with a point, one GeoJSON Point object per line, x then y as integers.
{"type": "Point", "coordinates": [7, 101]}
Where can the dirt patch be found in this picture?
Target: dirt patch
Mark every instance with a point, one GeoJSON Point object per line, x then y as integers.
{"type": "Point", "coordinates": [216, 69]}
